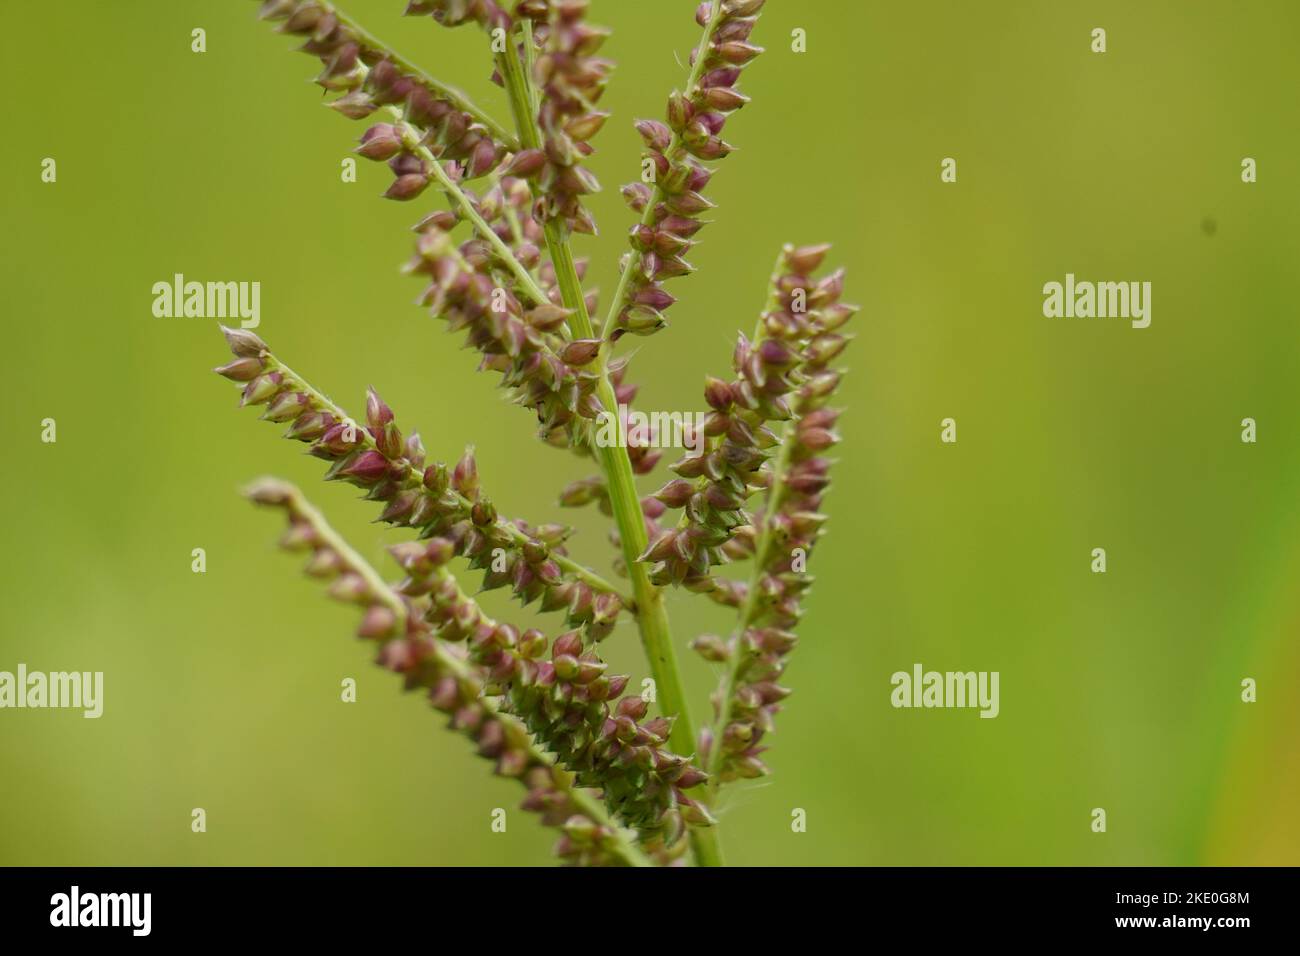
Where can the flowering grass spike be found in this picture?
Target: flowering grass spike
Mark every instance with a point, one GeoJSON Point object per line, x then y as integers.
{"type": "Point", "coordinates": [622, 786]}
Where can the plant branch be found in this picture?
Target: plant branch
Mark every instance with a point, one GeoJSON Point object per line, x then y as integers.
{"type": "Point", "coordinates": [289, 497]}
{"type": "Point", "coordinates": [296, 503]}
{"type": "Point", "coordinates": [457, 195]}
{"type": "Point", "coordinates": [530, 57]}
{"type": "Point", "coordinates": [657, 194]}
{"type": "Point", "coordinates": [414, 477]}
{"type": "Point", "coordinates": [623, 844]}
{"type": "Point", "coordinates": [748, 610]}
{"type": "Point", "coordinates": [373, 48]}
{"type": "Point", "coordinates": [651, 614]}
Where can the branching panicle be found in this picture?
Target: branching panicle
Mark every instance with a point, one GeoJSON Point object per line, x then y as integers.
{"type": "Point", "coordinates": [625, 787]}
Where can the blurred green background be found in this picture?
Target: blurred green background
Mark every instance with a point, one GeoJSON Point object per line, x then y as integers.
{"type": "Point", "coordinates": [1118, 691]}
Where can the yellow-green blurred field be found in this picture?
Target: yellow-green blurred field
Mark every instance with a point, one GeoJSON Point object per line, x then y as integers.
{"type": "Point", "coordinates": [1118, 690]}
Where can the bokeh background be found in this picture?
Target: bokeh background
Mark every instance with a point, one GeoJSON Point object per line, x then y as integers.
{"type": "Point", "coordinates": [1118, 691]}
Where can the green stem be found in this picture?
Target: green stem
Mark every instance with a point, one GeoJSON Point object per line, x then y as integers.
{"type": "Point", "coordinates": [651, 614]}
{"type": "Point", "coordinates": [530, 58]}
{"type": "Point", "coordinates": [519, 86]}
{"type": "Point", "coordinates": [657, 194]}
